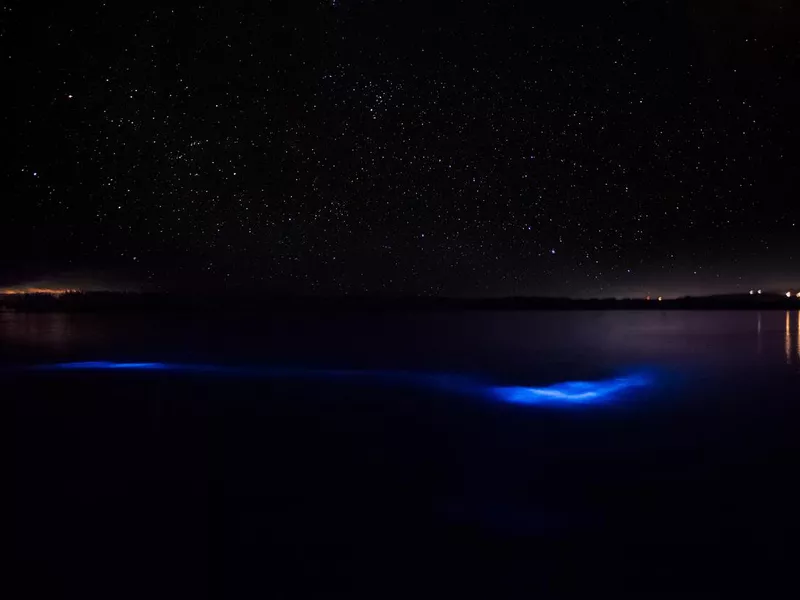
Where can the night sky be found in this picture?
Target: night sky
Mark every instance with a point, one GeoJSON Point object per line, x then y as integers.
{"type": "Point", "coordinates": [400, 147]}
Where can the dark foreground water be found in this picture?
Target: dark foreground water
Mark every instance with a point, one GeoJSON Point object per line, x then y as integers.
{"type": "Point", "coordinates": [501, 454]}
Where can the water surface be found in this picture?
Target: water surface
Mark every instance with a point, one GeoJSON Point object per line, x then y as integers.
{"type": "Point", "coordinates": [293, 451]}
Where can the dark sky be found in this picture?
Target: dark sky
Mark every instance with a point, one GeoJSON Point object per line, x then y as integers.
{"type": "Point", "coordinates": [459, 148]}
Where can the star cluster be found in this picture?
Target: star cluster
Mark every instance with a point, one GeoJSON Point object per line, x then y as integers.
{"type": "Point", "coordinates": [406, 147]}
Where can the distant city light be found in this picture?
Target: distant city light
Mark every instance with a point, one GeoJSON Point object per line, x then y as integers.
{"type": "Point", "coordinates": [34, 290]}
{"type": "Point", "coordinates": [660, 298]}
{"type": "Point", "coordinates": [759, 291]}
{"type": "Point", "coordinates": [752, 292]}
{"type": "Point", "coordinates": [788, 294]}
{"type": "Point", "coordinates": [798, 294]}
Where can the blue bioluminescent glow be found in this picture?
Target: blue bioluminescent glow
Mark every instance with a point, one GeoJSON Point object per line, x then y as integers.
{"type": "Point", "coordinates": [100, 365]}
{"type": "Point", "coordinates": [565, 393]}
{"type": "Point", "coordinates": [573, 392]}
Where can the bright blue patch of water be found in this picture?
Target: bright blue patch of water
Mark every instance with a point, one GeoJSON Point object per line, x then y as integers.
{"type": "Point", "coordinates": [573, 392]}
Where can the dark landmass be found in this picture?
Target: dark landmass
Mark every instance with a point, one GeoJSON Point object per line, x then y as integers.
{"type": "Point", "coordinates": [149, 302]}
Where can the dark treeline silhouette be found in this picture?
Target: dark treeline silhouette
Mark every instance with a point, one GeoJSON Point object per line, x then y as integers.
{"type": "Point", "coordinates": [154, 302]}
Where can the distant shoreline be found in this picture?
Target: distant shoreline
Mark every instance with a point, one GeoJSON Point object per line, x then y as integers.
{"type": "Point", "coordinates": [100, 302]}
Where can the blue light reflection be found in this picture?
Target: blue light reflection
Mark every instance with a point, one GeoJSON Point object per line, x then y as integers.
{"type": "Point", "coordinates": [563, 393]}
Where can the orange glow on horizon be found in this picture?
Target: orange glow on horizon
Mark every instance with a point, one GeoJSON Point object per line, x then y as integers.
{"type": "Point", "coordinates": [48, 291]}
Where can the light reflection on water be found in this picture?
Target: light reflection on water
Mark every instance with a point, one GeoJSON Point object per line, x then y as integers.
{"type": "Point", "coordinates": [47, 329]}
{"type": "Point", "coordinates": [787, 340]}
{"type": "Point", "coordinates": [791, 339]}
{"type": "Point", "coordinates": [759, 346]}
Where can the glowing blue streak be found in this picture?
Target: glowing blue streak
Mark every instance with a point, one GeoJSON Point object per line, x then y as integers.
{"type": "Point", "coordinates": [565, 393]}
{"type": "Point", "coordinates": [99, 365]}
{"type": "Point", "coordinates": [422, 380]}
{"type": "Point", "coordinates": [572, 392]}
